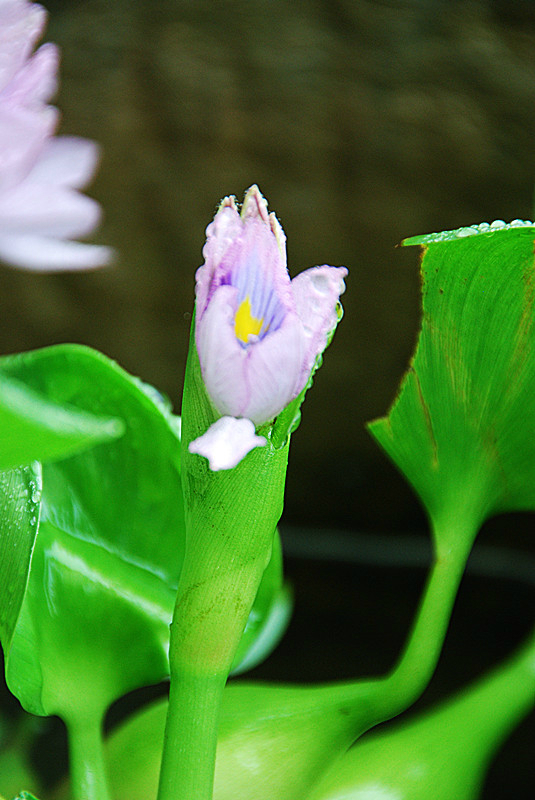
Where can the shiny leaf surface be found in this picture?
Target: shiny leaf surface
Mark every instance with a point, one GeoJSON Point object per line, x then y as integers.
{"type": "Point", "coordinates": [108, 554]}
{"type": "Point", "coordinates": [34, 428]}
{"type": "Point", "coordinates": [109, 550]}
{"type": "Point", "coordinates": [462, 427]}
{"type": "Point", "coordinates": [20, 495]}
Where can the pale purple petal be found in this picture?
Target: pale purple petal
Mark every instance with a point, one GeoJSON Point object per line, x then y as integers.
{"type": "Point", "coordinates": [21, 26]}
{"type": "Point", "coordinates": [254, 205]}
{"type": "Point", "coordinates": [66, 161]}
{"type": "Point", "coordinates": [23, 134]}
{"type": "Point", "coordinates": [272, 370]}
{"type": "Point", "coordinates": [256, 266]}
{"type": "Point", "coordinates": [47, 211]}
{"type": "Point", "coordinates": [227, 442]}
{"type": "Point", "coordinates": [36, 82]}
{"type": "Point", "coordinates": [220, 234]}
{"type": "Point", "coordinates": [221, 356]}
{"type": "Point", "coordinates": [247, 249]}
{"type": "Point", "coordinates": [39, 205]}
{"type": "Point", "coordinates": [316, 293]}
{"type": "Point", "coordinates": [279, 234]}
{"type": "Point", "coordinates": [255, 382]}
{"type": "Point", "coordinates": [51, 255]}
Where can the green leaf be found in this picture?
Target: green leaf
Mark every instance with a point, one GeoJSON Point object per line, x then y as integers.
{"type": "Point", "coordinates": [462, 428]}
{"type": "Point", "coordinates": [25, 796]}
{"type": "Point", "coordinates": [109, 550]}
{"type": "Point", "coordinates": [20, 495]}
{"type": "Point", "coordinates": [32, 428]}
{"type": "Point", "coordinates": [107, 558]}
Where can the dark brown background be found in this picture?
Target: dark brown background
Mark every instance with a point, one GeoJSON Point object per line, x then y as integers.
{"type": "Point", "coordinates": [362, 122]}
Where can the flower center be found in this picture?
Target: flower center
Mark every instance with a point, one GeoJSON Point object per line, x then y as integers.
{"type": "Point", "coordinates": [245, 325]}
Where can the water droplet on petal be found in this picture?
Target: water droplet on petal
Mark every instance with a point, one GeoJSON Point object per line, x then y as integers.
{"type": "Point", "coordinates": [320, 282]}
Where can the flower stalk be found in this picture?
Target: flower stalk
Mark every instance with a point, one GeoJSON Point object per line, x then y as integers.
{"type": "Point", "coordinates": [231, 517]}
{"type": "Point", "coordinates": [255, 341]}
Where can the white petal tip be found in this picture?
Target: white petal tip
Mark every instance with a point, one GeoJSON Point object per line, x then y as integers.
{"type": "Point", "coordinates": [227, 442]}
{"type": "Point", "coordinates": [254, 204]}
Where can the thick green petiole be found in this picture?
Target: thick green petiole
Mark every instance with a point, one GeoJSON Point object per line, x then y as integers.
{"type": "Point", "coordinates": [415, 667]}
{"type": "Point", "coordinates": [86, 757]}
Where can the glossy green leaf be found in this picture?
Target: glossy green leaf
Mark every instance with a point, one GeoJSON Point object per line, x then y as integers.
{"type": "Point", "coordinates": [462, 428]}
{"type": "Point", "coordinates": [34, 428]}
{"type": "Point", "coordinates": [107, 557]}
{"type": "Point", "coordinates": [20, 494]}
{"type": "Point", "coordinates": [133, 754]}
{"type": "Point", "coordinates": [109, 550]}
{"type": "Point", "coordinates": [25, 796]}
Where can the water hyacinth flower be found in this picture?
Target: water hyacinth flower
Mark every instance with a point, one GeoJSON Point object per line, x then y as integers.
{"type": "Point", "coordinates": [258, 333]}
{"type": "Point", "coordinates": [40, 207]}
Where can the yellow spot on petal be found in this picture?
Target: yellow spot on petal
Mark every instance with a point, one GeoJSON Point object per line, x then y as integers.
{"type": "Point", "coordinates": [245, 324]}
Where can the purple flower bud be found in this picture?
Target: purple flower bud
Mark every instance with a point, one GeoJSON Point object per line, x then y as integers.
{"type": "Point", "coordinates": [258, 333]}
{"type": "Point", "coordinates": [40, 207]}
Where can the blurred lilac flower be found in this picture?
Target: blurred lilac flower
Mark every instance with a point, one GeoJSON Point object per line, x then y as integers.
{"type": "Point", "coordinates": [258, 333]}
{"type": "Point", "coordinates": [40, 207]}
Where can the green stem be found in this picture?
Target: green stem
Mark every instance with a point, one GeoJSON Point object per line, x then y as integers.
{"type": "Point", "coordinates": [212, 606]}
{"type": "Point", "coordinates": [418, 661]}
{"type": "Point", "coordinates": [187, 771]}
{"type": "Point", "coordinates": [86, 757]}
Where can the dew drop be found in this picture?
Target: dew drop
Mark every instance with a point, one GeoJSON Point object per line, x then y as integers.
{"type": "Point", "coordinates": [320, 282]}
{"type": "Point", "coordinates": [35, 493]}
